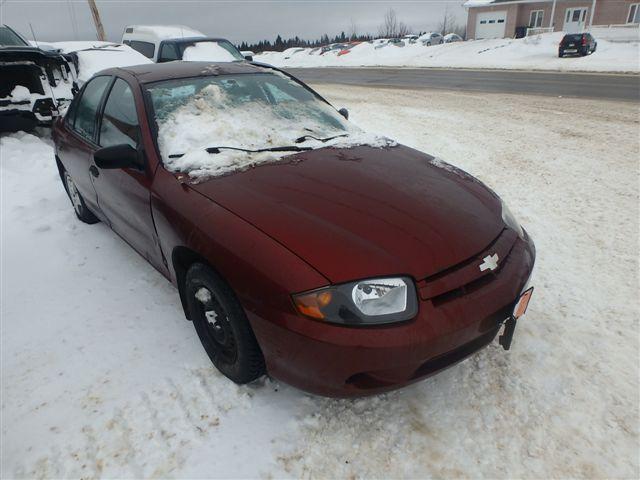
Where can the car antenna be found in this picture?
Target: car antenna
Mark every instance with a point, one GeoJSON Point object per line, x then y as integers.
{"type": "Point", "coordinates": [33, 34]}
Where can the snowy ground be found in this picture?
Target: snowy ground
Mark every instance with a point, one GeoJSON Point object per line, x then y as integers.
{"type": "Point", "coordinates": [102, 376]}
{"type": "Point", "coordinates": [533, 53]}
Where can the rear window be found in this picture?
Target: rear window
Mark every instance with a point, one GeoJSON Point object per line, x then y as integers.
{"type": "Point", "coordinates": [572, 38]}
{"type": "Point", "coordinates": [9, 38]}
{"type": "Point", "coordinates": [210, 51]}
{"type": "Point", "coordinates": [145, 48]}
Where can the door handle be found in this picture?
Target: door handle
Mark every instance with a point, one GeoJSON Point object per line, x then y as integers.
{"type": "Point", "coordinates": [94, 171]}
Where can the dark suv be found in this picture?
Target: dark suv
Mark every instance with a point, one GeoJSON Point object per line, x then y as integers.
{"type": "Point", "coordinates": [34, 82]}
{"type": "Point", "coordinates": [577, 44]}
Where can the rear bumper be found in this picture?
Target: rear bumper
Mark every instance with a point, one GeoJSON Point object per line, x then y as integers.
{"type": "Point", "coordinates": [16, 120]}
{"type": "Point", "coordinates": [338, 361]}
{"type": "Point", "coordinates": [25, 116]}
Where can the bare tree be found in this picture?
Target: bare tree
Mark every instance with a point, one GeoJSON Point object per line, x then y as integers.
{"type": "Point", "coordinates": [448, 22]}
{"type": "Point", "coordinates": [353, 30]}
{"type": "Point", "coordinates": [391, 27]}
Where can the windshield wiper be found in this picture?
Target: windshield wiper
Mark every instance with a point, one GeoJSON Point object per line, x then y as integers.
{"type": "Point", "coordinates": [323, 140]}
{"type": "Point", "coordinates": [213, 150]}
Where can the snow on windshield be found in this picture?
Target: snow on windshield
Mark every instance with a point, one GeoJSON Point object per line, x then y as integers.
{"type": "Point", "coordinates": [208, 52]}
{"type": "Point", "coordinates": [250, 111]}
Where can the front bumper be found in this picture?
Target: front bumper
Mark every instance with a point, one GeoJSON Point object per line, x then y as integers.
{"type": "Point", "coordinates": [338, 361]}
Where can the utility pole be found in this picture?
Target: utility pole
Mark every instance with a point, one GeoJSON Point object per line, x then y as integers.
{"type": "Point", "coordinates": [96, 20]}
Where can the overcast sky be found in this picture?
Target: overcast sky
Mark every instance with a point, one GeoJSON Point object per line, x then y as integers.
{"type": "Point", "coordinates": [241, 20]}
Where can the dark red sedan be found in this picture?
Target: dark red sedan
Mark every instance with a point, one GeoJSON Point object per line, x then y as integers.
{"type": "Point", "coordinates": [336, 261]}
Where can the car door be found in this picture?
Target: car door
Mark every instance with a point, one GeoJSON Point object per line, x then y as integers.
{"type": "Point", "coordinates": [124, 193]}
{"type": "Point", "coordinates": [76, 144]}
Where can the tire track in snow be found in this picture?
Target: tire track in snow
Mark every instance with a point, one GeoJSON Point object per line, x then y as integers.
{"type": "Point", "coordinates": [147, 437]}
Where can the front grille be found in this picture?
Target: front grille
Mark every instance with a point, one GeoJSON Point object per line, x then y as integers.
{"type": "Point", "coordinates": [466, 277]}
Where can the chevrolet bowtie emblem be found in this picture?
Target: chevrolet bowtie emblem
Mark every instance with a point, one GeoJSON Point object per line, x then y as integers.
{"type": "Point", "coordinates": [490, 262]}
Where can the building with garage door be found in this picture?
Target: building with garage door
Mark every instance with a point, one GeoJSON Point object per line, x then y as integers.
{"type": "Point", "coordinates": [511, 18]}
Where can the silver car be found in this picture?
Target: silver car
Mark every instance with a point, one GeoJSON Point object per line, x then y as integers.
{"type": "Point", "coordinates": [431, 38]}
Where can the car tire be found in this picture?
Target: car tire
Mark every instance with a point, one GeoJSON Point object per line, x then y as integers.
{"type": "Point", "coordinates": [222, 325]}
{"type": "Point", "coordinates": [79, 206]}
{"type": "Point", "coordinates": [560, 54]}
{"type": "Point", "coordinates": [428, 44]}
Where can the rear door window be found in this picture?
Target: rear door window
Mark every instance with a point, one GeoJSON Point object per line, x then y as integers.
{"type": "Point", "coordinates": [84, 113]}
{"type": "Point", "coordinates": [145, 48]}
{"type": "Point", "coordinates": [119, 119]}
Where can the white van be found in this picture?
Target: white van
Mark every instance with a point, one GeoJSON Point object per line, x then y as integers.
{"type": "Point", "coordinates": [166, 43]}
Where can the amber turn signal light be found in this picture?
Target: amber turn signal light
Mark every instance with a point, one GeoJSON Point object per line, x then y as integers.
{"type": "Point", "coordinates": [311, 304]}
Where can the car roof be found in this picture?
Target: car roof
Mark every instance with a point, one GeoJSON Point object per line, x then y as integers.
{"type": "Point", "coordinates": [161, 32]}
{"type": "Point", "coordinates": [155, 72]}
{"type": "Point", "coordinates": [197, 39]}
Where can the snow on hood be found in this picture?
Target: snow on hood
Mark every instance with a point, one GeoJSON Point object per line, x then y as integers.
{"type": "Point", "coordinates": [96, 56]}
{"type": "Point", "coordinates": [207, 52]}
{"type": "Point", "coordinates": [210, 120]}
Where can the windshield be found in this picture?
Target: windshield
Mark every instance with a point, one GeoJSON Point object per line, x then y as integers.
{"type": "Point", "coordinates": [216, 125]}
{"type": "Point", "coordinates": [250, 111]}
{"type": "Point", "coordinates": [9, 38]}
{"type": "Point", "coordinates": [210, 51]}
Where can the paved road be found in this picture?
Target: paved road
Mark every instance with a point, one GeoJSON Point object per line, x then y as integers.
{"type": "Point", "coordinates": [605, 86]}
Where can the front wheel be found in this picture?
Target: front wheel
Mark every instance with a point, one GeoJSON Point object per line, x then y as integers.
{"type": "Point", "coordinates": [79, 206]}
{"type": "Point", "coordinates": [222, 326]}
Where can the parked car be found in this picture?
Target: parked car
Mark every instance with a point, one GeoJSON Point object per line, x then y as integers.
{"type": "Point", "coordinates": [166, 43]}
{"type": "Point", "coordinates": [411, 38]}
{"type": "Point", "coordinates": [396, 42]}
{"type": "Point", "coordinates": [452, 37]}
{"type": "Point", "coordinates": [327, 269]}
{"type": "Point", "coordinates": [431, 38]}
{"type": "Point", "coordinates": [347, 48]}
{"type": "Point", "coordinates": [248, 54]}
{"type": "Point", "coordinates": [36, 84]}
{"type": "Point", "coordinates": [380, 43]}
{"type": "Point", "coordinates": [577, 44]}
{"type": "Point", "coordinates": [289, 52]}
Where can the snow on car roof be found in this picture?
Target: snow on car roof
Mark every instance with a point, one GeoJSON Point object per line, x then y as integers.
{"type": "Point", "coordinates": [164, 32]}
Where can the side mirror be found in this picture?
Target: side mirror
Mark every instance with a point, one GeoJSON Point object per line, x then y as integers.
{"type": "Point", "coordinates": [248, 58]}
{"type": "Point", "coordinates": [118, 156]}
{"type": "Point", "coordinates": [344, 112]}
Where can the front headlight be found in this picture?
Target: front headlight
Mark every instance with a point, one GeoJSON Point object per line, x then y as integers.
{"type": "Point", "coordinates": [510, 220]}
{"type": "Point", "coordinates": [365, 302]}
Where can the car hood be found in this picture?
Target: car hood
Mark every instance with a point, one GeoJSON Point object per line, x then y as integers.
{"type": "Point", "coordinates": [365, 212]}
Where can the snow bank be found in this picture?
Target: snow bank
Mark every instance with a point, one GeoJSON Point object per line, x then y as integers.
{"type": "Point", "coordinates": [207, 52]}
{"type": "Point", "coordinates": [211, 119]}
{"type": "Point", "coordinates": [539, 52]}
{"type": "Point", "coordinates": [96, 56]}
